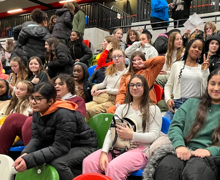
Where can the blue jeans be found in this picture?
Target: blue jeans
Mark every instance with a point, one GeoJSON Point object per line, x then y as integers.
{"type": "Point", "coordinates": [178, 103]}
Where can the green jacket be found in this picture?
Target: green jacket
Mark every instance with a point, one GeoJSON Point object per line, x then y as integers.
{"type": "Point", "coordinates": [184, 119]}
{"type": "Point", "coordinates": [79, 22]}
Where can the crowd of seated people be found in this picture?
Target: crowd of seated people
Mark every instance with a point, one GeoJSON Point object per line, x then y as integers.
{"type": "Point", "coordinates": [47, 99]}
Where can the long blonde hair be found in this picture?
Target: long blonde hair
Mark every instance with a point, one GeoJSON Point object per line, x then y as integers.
{"type": "Point", "coordinates": [70, 6]}
{"type": "Point", "coordinates": [171, 41]}
{"type": "Point", "coordinates": [112, 68]}
{"type": "Point", "coordinates": [19, 106]}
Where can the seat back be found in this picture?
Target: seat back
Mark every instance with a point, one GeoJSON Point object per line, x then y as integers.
{"type": "Point", "coordinates": [92, 176]}
{"type": "Point", "coordinates": [159, 92]}
{"type": "Point", "coordinates": [6, 169]}
{"type": "Point", "coordinates": [91, 69]}
{"type": "Point", "coordinates": [42, 172]}
{"type": "Point", "coordinates": [86, 42]}
{"type": "Point", "coordinates": [165, 125]}
{"type": "Point", "coordinates": [100, 123]}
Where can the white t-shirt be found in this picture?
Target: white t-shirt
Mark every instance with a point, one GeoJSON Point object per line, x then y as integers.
{"type": "Point", "coordinates": [191, 82]}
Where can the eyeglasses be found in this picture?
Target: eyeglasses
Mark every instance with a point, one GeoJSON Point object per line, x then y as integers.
{"type": "Point", "coordinates": [36, 99]}
{"type": "Point", "coordinates": [117, 57]}
{"type": "Point", "coordinates": [138, 85]}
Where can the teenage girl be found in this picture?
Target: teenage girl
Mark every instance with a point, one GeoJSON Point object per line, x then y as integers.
{"type": "Point", "coordinates": [19, 72]}
{"type": "Point", "coordinates": [36, 72]}
{"type": "Point", "coordinates": [63, 141]}
{"type": "Point", "coordinates": [148, 119]}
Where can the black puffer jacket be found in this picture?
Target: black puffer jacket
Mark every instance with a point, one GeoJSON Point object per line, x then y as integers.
{"type": "Point", "coordinates": [55, 133]}
{"type": "Point", "coordinates": [32, 39]}
{"type": "Point", "coordinates": [63, 26]}
{"type": "Point", "coordinates": [63, 64]}
{"type": "Point", "coordinates": [80, 51]}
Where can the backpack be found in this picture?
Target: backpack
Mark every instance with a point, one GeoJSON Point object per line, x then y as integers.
{"type": "Point", "coordinates": [118, 144]}
{"type": "Point", "coordinates": [161, 43]}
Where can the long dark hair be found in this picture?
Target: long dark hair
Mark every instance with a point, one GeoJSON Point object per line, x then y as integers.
{"type": "Point", "coordinates": [5, 97]}
{"type": "Point", "coordinates": [201, 116]}
{"type": "Point", "coordinates": [132, 71]}
{"type": "Point", "coordinates": [40, 63]}
{"type": "Point", "coordinates": [53, 43]}
{"type": "Point", "coordinates": [144, 103]}
{"type": "Point", "coordinates": [189, 44]}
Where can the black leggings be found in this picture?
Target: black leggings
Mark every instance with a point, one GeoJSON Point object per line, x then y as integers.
{"type": "Point", "coordinates": [173, 168]}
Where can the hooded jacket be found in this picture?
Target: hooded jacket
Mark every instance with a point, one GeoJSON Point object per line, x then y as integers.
{"type": "Point", "coordinates": [63, 26]}
{"type": "Point", "coordinates": [214, 60]}
{"type": "Point", "coordinates": [32, 39]}
{"type": "Point", "coordinates": [55, 132]}
{"type": "Point", "coordinates": [87, 85]}
{"type": "Point", "coordinates": [80, 51]}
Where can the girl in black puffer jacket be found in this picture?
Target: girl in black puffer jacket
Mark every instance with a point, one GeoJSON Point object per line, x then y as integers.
{"type": "Point", "coordinates": [79, 51]}
{"type": "Point", "coordinates": [63, 26]}
{"type": "Point", "coordinates": [58, 58]}
{"type": "Point", "coordinates": [60, 135]}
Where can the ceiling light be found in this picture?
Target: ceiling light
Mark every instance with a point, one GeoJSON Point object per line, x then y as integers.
{"type": "Point", "coordinates": [66, 1]}
{"type": "Point", "coordinates": [2, 0]}
{"type": "Point", "coordinates": [15, 10]}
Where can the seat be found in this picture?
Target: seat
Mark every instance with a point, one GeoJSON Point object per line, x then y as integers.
{"type": "Point", "coordinates": [100, 124]}
{"type": "Point", "coordinates": [92, 176]}
{"type": "Point", "coordinates": [6, 170]}
{"type": "Point", "coordinates": [159, 92]}
{"type": "Point", "coordinates": [86, 42]}
{"type": "Point", "coordinates": [91, 69]}
{"type": "Point", "coordinates": [43, 172]}
{"type": "Point", "coordinates": [165, 128]}
{"type": "Point", "coordinates": [17, 148]}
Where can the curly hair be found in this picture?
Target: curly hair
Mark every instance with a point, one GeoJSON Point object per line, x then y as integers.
{"type": "Point", "coordinates": [65, 78]}
{"type": "Point", "coordinates": [38, 16]}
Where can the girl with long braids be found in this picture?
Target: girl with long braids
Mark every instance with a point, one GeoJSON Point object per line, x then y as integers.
{"type": "Point", "coordinates": [187, 78]}
{"type": "Point", "coordinates": [194, 133]}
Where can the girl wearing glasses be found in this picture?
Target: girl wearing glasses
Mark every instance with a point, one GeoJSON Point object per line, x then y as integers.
{"type": "Point", "coordinates": [138, 65]}
{"type": "Point", "coordinates": [63, 141]}
{"type": "Point", "coordinates": [149, 120]}
{"type": "Point", "coordinates": [104, 94]}
{"type": "Point", "coordinates": [20, 125]}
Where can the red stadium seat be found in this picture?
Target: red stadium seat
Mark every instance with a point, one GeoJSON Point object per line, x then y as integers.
{"type": "Point", "coordinates": [159, 92]}
{"type": "Point", "coordinates": [87, 42]}
{"type": "Point", "coordinates": [92, 176]}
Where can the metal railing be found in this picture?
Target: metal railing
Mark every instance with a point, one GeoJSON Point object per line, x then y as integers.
{"type": "Point", "coordinates": [97, 16]}
{"type": "Point", "coordinates": [126, 19]}
{"type": "Point", "coordinates": [145, 25]}
{"type": "Point", "coordinates": [198, 6]}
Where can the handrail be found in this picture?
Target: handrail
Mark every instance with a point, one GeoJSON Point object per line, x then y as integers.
{"type": "Point", "coordinates": [147, 24]}
{"type": "Point", "coordinates": [128, 18]}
